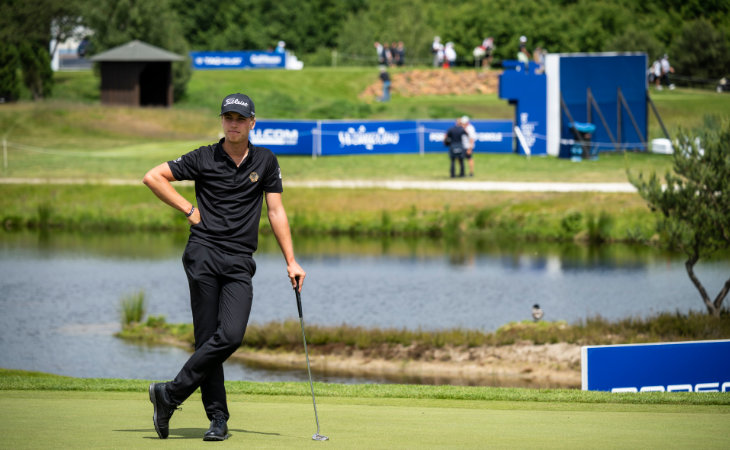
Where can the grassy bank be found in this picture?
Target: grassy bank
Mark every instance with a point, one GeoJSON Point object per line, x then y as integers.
{"type": "Point", "coordinates": [664, 327]}
{"type": "Point", "coordinates": [20, 380]}
{"type": "Point", "coordinates": [588, 217]}
{"type": "Point", "coordinates": [130, 163]}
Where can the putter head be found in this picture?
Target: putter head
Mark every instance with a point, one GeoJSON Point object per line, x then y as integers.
{"type": "Point", "coordinates": [320, 437]}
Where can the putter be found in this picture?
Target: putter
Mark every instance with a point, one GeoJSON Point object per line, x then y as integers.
{"type": "Point", "coordinates": [316, 436]}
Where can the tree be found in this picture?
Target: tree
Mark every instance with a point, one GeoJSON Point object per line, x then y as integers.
{"type": "Point", "coordinates": [9, 81]}
{"type": "Point", "coordinates": [695, 202]}
{"type": "Point", "coordinates": [635, 40]}
{"type": "Point", "coordinates": [37, 73]}
{"type": "Point", "coordinates": [701, 50]}
{"type": "Point", "coordinates": [387, 22]}
{"type": "Point", "coordinates": [28, 27]}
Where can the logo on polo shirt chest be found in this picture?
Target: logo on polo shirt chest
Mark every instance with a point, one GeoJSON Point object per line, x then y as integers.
{"type": "Point", "coordinates": [254, 177]}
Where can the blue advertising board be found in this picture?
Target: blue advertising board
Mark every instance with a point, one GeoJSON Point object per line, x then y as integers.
{"type": "Point", "coordinates": [700, 366]}
{"type": "Point", "coordinates": [621, 123]}
{"type": "Point", "coordinates": [238, 60]}
{"type": "Point", "coordinates": [493, 136]}
{"type": "Point", "coordinates": [346, 137]}
{"type": "Point", "coordinates": [368, 137]}
{"type": "Point", "coordinates": [285, 137]}
{"type": "Point", "coordinates": [526, 88]}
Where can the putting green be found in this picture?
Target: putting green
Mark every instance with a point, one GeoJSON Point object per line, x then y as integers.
{"type": "Point", "coordinates": [72, 419]}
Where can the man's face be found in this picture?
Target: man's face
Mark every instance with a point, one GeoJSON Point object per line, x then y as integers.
{"type": "Point", "coordinates": [236, 127]}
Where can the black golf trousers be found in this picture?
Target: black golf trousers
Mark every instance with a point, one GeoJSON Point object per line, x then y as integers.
{"type": "Point", "coordinates": [454, 158]}
{"type": "Point", "coordinates": [220, 298]}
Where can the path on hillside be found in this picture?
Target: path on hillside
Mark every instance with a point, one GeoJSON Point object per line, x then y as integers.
{"type": "Point", "coordinates": [448, 185]}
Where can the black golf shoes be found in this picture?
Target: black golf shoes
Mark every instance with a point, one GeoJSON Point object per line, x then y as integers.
{"type": "Point", "coordinates": [163, 409]}
{"type": "Point", "coordinates": [218, 430]}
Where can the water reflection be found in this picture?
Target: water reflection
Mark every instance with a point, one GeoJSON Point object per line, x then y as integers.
{"type": "Point", "coordinates": [537, 256]}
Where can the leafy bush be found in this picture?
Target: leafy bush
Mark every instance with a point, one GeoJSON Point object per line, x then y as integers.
{"type": "Point", "coordinates": [572, 223]}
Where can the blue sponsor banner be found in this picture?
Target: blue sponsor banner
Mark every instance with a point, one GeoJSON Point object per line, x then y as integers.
{"type": "Point", "coordinates": [527, 90]}
{"type": "Point", "coordinates": [368, 137]}
{"type": "Point", "coordinates": [285, 137]}
{"type": "Point", "coordinates": [701, 366]}
{"type": "Point", "coordinates": [238, 60]}
{"type": "Point", "coordinates": [331, 138]}
{"type": "Point", "coordinates": [493, 136]}
{"type": "Point", "coordinates": [605, 75]}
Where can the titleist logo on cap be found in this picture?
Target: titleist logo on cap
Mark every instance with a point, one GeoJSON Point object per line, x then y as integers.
{"type": "Point", "coordinates": [234, 101]}
{"type": "Point", "coordinates": [238, 103]}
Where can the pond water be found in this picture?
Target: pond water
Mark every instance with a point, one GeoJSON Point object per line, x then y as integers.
{"type": "Point", "coordinates": [60, 293]}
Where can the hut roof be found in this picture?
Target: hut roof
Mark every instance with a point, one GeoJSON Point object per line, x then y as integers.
{"type": "Point", "coordinates": [136, 51]}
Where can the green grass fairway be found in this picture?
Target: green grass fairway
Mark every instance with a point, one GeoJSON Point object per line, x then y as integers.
{"type": "Point", "coordinates": [51, 419]}
{"type": "Point", "coordinates": [47, 411]}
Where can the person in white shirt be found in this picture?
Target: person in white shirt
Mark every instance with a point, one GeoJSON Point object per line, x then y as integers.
{"type": "Point", "coordinates": [656, 70]}
{"type": "Point", "coordinates": [450, 54]}
{"type": "Point", "coordinates": [666, 70]}
{"type": "Point", "coordinates": [469, 140]}
{"type": "Point", "coordinates": [437, 48]}
{"type": "Point", "coordinates": [523, 55]}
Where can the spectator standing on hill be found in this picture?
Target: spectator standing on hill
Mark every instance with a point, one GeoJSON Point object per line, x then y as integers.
{"type": "Point", "coordinates": [232, 179]}
{"type": "Point", "coordinates": [437, 49]}
{"type": "Point", "coordinates": [401, 53]}
{"type": "Point", "coordinates": [449, 55]}
{"type": "Point", "coordinates": [385, 78]}
{"type": "Point", "coordinates": [469, 139]}
{"type": "Point", "coordinates": [666, 70]}
{"type": "Point", "coordinates": [388, 54]}
{"type": "Point", "coordinates": [380, 51]}
{"type": "Point", "coordinates": [479, 54]}
{"type": "Point", "coordinates": [483, 54]}
{"type": "Point", "coordinates": [489, 47]}
{"type": "Point", "coordinates": [656, 71]}
{"type": "Point", "coordinates": [454, 139]}
{"type": "Point", "coordinates": [523, 55]}
{"type": "Point", "coordinates": [539, 58]}
{"type": "Point", "coordinates": [281, 47]}
{"type": "Point", "coordinates": [393, 54]}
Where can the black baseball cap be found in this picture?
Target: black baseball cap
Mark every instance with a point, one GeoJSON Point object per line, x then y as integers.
{"type": "Point", "coordinates": [238, 103]}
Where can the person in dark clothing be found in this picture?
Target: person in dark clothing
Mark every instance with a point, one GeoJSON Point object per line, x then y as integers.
{"type": "Point", "coordinates": [401, 54]}
{"type": "Point", "coordinates": [454, 140]}
{"type": "Point", "coordinates": [232, 179]}
{"type": "Point", "coordinates": [385, 78]}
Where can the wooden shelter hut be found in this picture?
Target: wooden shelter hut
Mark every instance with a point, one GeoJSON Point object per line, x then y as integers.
{"type": "Point", "coordinates": [136, 74]}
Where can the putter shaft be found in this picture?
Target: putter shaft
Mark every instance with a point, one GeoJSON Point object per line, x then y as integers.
{"type": "Point", "coordinates": [316, 436]}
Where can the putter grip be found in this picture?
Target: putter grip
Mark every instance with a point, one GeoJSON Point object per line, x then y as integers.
{"type": "Point", "coordinates": [299, 298]}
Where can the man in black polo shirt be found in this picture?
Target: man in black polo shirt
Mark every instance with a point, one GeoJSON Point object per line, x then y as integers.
{"type": "Point", "coordinates": [454, 140]}
{"type": "Point", "coordinates": [232, 178]}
